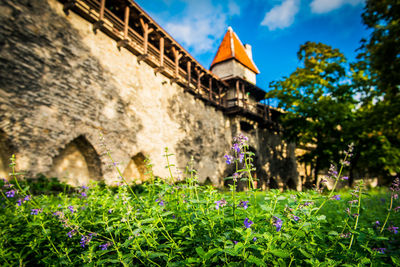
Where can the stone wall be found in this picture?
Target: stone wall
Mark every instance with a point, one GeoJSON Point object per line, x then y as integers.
{"type": "Point", "coordinates": [61, 86]}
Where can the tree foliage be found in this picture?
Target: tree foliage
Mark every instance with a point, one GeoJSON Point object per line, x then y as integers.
{"type": "Point", "coordinates": [318, 103]}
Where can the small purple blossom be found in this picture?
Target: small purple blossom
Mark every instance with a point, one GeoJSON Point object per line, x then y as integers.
{"type": "Point", "coordinates": [377, 223]}
{"type": "Point", "coordinates": [110, 211]}
{"type": "Point", "coordinates": [379, 250]}
{"type": "Point", "coordinates": [345, 178]}
{"type": "Point", "coordinates": [27, 198]}
{"type": "Point", "coordinates": [296, 218]}
{"type": "Point", "coordinates": [241, 157]}
{"type": "Point", "coordinates": [105, 246]}
{"type": "Point", "coordinates": [336, 197]}
{"type": "Point", "coordinates": [10, 193]}
{"type": "Point", "coordinates": [247, 223]}
{"type": "Point", "coordinates": [254, 239]}
{"type": "Point", "coordinates": [393, 229]}
{"type": "Point", "coordinates": [220, 203]}
{"type": "Point", "coordinates": [396, 209]}
{"type": "Point", "coordinates": [278, 223]}
{"type": "Point", "coordinates": [235, 242]}
{"type": "Point", "coordinates": [19, 202]}
{"type": "Point", "coordinates": [345, 235]}
{"type": "Point", "coordinates": [85, 239]}
{"type": "Point", "coordinates": [71, 233]}
{"type": "Point", "coordinates": [71, 209]}
{"type": "Point", "coordinates": [243, 204]}
{"type": "Point", "coordinates": [85, 187]}
{"type": "Point", "coordinates": [160, 202]}
{"type": "Point", "coordinates": [35, 211]}
{"type": "Point", "coordinates": [229, 159]}
{"type": "Point", "coordinates": [83, 194]}
{"type": "Point", "coordinates": [236, 148]}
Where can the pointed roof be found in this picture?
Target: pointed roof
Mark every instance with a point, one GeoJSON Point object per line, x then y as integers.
{"type": "Point", "coordinates": [232, 47]}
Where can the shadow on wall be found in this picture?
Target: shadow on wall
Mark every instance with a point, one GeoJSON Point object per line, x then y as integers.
{"type": "Point", "coordinates": [77, 164]}
{"type": "Point", "coordinates": [136, 169]}
{"type": "Point", "coordinates": [6, 151]}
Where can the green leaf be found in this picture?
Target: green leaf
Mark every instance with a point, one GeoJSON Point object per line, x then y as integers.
{"type": "Point", "coordinates": [280, 253]}
{"type": "Point", "coordinates": [200, 251]}
{"type": "Point", "coordinates": [255, 260]}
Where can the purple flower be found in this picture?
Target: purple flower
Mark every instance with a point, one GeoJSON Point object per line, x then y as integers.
{"type": "Point", "coordinates": [296, 218]}
{"type": "Point", "coordinates": [254, 239]}
{"type": "Point", "coordinates": [247, 223]}
{"type": "Point", "coordinates": [10, 193]}
{"type": "Point", "coordinates": [160, 202]}
{"type": "Point", "coordinates": [241, 156]}
{"type": "Point", "coordinates": [71, 233]}
{"type": "Point", "coordinates": [345, 178]}
{"type": "Point", "coordinates": [379, 250]}
{"type": "Point", "coordinates": [377, 223]}
{"type": "Point", "coordinates": [336, 197]}
{"type": "Point", "coordinates": [396, 209]}
{"type": "Point", "coordinates": [393, 229]}
{"type": "Point", "coordinates": [220, 203]}
{"type": "Point", "coordinates": [27, 198]}
{"type": "Point", "coordinates": [235, 242]}
{"type": "Point", "coordinates": [85, 239]}
{"type": "Point", "coordinates": [35, 211]}
{"type": "Point", "coordinates": [236, 147]}
{"type": "Point", "coordinates": [243, 204]}
{"type": "Point", "coordinates": [110, 211]}
{"type": "Point", "coordinates": [19, 202]}
{"type": "Point", "coordinates": [71, 209]}
{"type": "Point", "coordinates": [105, 246]}
{"type": "Point", "coordinates": [83, 194]}
{"type": "Point", "coordinates": [85, 187]}
{"type": "Point", "coordinates": [278, 223]}
{"type": "Point", "coordinates": [229, 159]}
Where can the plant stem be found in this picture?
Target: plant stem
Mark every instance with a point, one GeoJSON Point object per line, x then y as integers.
{"type": "Point", "coordinates": [388, 215]}
{"type": "Point", "coordinates": [358, 216]}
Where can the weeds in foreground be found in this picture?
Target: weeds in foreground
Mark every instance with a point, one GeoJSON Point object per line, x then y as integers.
{"type": "Point", "coordinates": [179, 224]}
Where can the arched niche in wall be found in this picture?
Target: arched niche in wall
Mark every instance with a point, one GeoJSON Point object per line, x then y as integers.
{"type": "Point", "coordinates": [5, 155]}
{"type": "Point", "coordinates": [135, 171]}
{"type": "Point", "coordinates": [77, 164]}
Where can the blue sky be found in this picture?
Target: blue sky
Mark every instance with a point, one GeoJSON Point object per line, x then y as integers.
{"type": "Point", "coordinates": [274, 28]}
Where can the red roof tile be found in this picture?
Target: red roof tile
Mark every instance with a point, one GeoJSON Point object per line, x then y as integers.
{"type": "Point", "coordinates": [232, 47]}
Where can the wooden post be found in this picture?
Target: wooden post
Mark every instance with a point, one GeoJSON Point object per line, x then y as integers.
{"type": "Point", "coordinates": [210, 88]}
{"type": "Point", "coordinates": [265, 110]}
{"type": "Point", "coordinates": [101, 13]}
{"type": "Point", "coordinates": [237, 92]}
{"type": "Point", "coordinates": [126, 23]}
{"type": "Point", "coordinates": [98, 24]}
{"type": "Point", "coordinates": [189, 74]}
{"type": "Point", "coordinates": [162, 52]}
{"type": "Point", "coordinates": [146, 31]}
{"type": "Point", "coordinates": [177, 56]}
{"type": "Point", "coordinates": [243, 97]}
{"type": "Point", "coordinates": [219, 95]}
{"type": "Point", "coordinates": [69, 4]}
{"type": "Point", "coordinates": [124, 41]}
{"type": "Point", "coordinates": [199, 75]}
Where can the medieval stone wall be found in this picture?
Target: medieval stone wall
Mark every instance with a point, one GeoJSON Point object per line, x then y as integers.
{"type": "Point", "coordinates": [62, 85]}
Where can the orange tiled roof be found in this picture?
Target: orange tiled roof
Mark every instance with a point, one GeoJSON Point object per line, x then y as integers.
{"type": "Point", "coordinates": [232, 47]}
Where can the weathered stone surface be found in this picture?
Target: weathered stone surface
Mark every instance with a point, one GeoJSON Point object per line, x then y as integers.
{"type": "Point", "coordinates": [61, 85]}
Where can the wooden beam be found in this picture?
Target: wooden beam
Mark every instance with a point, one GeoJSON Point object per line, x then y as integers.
{"type": "Point", "coordinates": [210, 88]}
{"type": "Point", "coordinates": [146, 31]}
{"type": "Point", "coordinates": [99, 24]}
{"type": "Point", "coordinates": [126, 22]}
{"type": "Point", "coordinates": [102, 7]}
{"type": "Point", "coordinates": [219, 95]}
{"type": "Point", "coordinates": [243, 96]}
{"type": "Point", "coordinates": [177, 56]}
{"type": "Point", "coordinates": [189, 73]}
{"type": "Point", "coordinates": [237, 92]}
{"type": "Point", "coordinates": [199, 75]}
{"type": "Point", "coordinates": [162, 52]}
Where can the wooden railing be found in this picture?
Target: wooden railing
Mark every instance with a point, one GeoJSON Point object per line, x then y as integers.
{"type": "Point", "coordinates": [113, 26]}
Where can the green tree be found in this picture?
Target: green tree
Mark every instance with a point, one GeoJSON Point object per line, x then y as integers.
{"type": "Point", "coordinates": [318, 103]}
{"type": "Point", "coordinates": [376, 79]}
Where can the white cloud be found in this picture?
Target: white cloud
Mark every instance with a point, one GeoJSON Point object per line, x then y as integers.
{"type": "Point", "coordinates": [325, 6]}
{"type": "Point", "coordinates": [201, 24]}
{"type": "Point", "coordinates": [281, 16]}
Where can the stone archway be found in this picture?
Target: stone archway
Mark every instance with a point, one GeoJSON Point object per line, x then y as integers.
{"type": "Point", "coordinates": [5, 154]}
{"type": "Point", "coordinates": [77, 164]}
{"type": "Point", "coordinates": [135, 171]}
